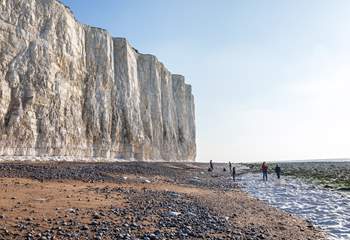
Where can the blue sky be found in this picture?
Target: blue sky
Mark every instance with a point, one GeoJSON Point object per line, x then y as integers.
{"type": "Point", "coordinates": [271, 78]}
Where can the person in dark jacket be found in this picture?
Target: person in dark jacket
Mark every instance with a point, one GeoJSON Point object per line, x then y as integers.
{"type": "Point", "coordinates": [278, 171]}
{"type": "Point", "coordinates": [234, 174]}
{"type": "Point", "coordinates": [211, 166]}
{"type": "Point", "coordinates": [230, 166]}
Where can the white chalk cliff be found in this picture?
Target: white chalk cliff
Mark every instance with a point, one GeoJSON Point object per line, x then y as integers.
{"type": "Point", "coordinates": [68, 89]}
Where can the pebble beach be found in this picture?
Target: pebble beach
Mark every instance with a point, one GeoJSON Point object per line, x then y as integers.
{"type": "Point", "coordinates": [136, 200]}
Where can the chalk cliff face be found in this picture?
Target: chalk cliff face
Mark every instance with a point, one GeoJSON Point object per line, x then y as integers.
{"type": "Point", "coordinates": [68, 89]}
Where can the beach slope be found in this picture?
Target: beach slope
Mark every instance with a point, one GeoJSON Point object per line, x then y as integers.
{"type": "Point", "coordinates": [135, 200]}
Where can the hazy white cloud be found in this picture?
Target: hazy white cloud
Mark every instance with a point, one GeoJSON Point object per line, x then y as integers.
{"type": "Point", "coordinates": [307, 114]}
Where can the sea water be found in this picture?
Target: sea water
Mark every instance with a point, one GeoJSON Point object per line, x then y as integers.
{"type": "Point", "coordinates": [325, 208]}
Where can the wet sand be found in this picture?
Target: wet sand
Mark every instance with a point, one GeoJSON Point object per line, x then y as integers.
{"type": "Point", "coordinates": [133, 200]}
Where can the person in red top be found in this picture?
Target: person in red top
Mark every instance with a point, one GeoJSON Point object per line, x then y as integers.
{"type": "Point", "coordinates": [264, 169]}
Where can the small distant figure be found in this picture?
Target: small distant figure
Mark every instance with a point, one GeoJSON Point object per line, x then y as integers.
{"type": "Point", "coordinates": [211, 166]}
{"type": "Point", "coordinates": [230, 166]}
{"type": "Point", "coordinates": [224, 169]}
{"type": "Point", "coordinates": [278, 171]}
{"type": "Point", "coordinates": [264, 169]}
{"type": "Point", "coordinates": [234, 174]}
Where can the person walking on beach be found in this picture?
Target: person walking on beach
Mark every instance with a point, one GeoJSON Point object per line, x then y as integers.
{"type": "Point", "coordinates": [211, 166]}
{"type": "Point", "coordinates": [264, 169]}
{"type": "Point", "coordinates": [234, 174]}
{"type": "Point", "coordinates": [278, 171]}
{"type": "Point", "coordinates": [230, 166]}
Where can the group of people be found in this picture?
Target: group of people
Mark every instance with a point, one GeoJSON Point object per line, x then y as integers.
{"type": "Point", "coordinates": [232, 169]}
{"type": "Point", "coordinates": [264, 169]}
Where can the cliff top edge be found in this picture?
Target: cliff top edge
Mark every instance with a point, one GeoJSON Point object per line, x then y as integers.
{"type": "Point", "coordinates": [70, 11]}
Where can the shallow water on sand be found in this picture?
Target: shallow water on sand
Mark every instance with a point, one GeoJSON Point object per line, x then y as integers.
{"type": "Point", "coordinates": [325, 208]}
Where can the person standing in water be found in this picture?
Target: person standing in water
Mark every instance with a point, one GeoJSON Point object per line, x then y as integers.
{"type": "Point", "coordinates": [230, 166]}
{"type": "Point", "coordinates": [234, 174]}
{"type": "Point", "coordinates": [278, 171]}
{"type": "Point", "coordinates": [264, 169]}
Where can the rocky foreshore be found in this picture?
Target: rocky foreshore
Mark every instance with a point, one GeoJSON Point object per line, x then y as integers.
{"type": "Point", "coordinates": [327, 173]}
{"type": "Point", "coordinates": [135, 200]}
